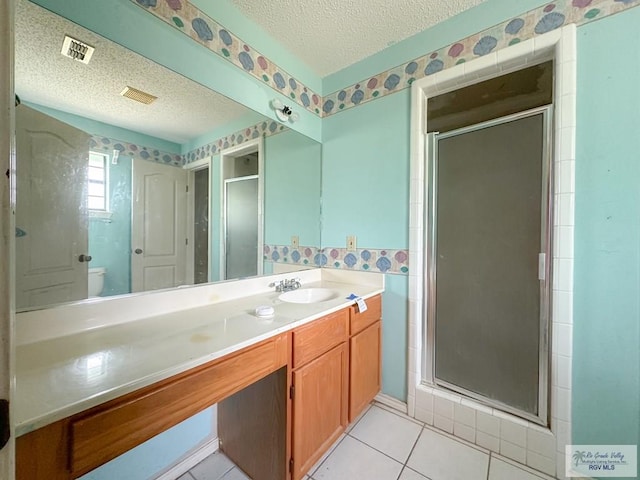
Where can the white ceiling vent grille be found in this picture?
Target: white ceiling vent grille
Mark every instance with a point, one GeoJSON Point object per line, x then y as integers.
{"type": "Point", "coordinates": [138, 95]}
{"type": "Point", "coordinates": [76, 49]}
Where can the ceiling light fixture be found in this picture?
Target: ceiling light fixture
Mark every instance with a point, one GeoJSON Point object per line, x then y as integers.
{"type": "Point", "coordinates": [284, 112]}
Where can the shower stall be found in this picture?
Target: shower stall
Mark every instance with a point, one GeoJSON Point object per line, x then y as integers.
{"type": "Point", "coordinates": [488, 240]}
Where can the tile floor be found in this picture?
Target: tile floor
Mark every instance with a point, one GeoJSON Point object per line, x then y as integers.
{"type": "Point", "coordinates": [383, 444]}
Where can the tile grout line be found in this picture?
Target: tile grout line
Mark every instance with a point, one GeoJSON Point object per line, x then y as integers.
{"type": "Point", "coordinates": [338, 442]}
{"type": "Point", "coordinates": [461, 441]}
{"type": "Point", "coordinates": [413, 447]}
{"type": "Point", "coordinates": [411, 453]}
{"type": "Point", "coordinates": [397, 413]}
{"type": "Point", "coordinates": [373, 448]}
{"type": "Point", "coordinates": [330, 452]}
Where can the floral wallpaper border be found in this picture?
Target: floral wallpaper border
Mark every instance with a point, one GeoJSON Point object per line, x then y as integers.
{"type": "Point", "coordinates": [535, 22]}
{"type": "Point", "coordinates": [203, 29]}
{"type": "Point", "coordinates": [266, 129]}
{"type": "Point", "coordinates": [191, 21]}
{"type": "Point", "coordinates": [101, 143]}
{"type": "Point", "coordinates": [364, 259]}
{"type": "Point", "coordinates": [287, 254]}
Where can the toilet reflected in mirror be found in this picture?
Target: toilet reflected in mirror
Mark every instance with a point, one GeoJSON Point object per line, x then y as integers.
{"type": "Point", "coordinates": [96, 281]}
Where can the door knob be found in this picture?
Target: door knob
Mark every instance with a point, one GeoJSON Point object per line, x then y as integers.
{"type": "Point", "coordinates": [138, 251]}
{"type": "Point", "coordinates": [84, 258]}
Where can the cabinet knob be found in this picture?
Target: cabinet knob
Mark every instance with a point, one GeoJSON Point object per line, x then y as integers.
{"type": "Point", "coordinates": [138, 251]}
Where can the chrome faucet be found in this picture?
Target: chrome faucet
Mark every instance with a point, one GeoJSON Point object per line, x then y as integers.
{"type": "Point", "coordinates": [287, 285]}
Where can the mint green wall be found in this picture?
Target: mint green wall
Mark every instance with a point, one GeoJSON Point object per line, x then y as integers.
{"type": "Point", "coordinates": [606, 342]}
{"type": "Point", "coordinates": [365, 192]}
{"type": "Point", "coordinates": [123, 22]}
{"type": "Point", "coordinates": [110, 240]}
{"type": "Point", "coordinates": [365, 174]}
{"type": "Point", "coordinates": [395, 311]}
{"type": "Point", "coordinates": [292, 189]}
{"type": "Point", "coordinates": [151, 457]}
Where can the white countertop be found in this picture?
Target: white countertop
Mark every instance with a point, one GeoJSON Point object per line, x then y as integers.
{"type": "Point", "coordinates": [59, 377]}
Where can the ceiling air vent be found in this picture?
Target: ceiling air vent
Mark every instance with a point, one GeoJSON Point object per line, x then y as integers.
{"type": "Point", "coordinates": [138, 95]}
{"type": "Point", "coordinates": [76, 49]}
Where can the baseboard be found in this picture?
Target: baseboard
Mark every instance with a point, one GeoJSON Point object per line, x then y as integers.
{"type": "Point", "coordinates": [190, 461]}
{"type": "Point", "coordinates": [391, 402]}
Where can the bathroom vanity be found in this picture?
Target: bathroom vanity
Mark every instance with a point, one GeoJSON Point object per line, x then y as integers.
{"type": "Point", "coordinates": [286, 386]}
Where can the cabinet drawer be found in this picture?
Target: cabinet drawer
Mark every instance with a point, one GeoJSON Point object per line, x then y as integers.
{"type": "Point", "coordinates": [360, 321]}
{"type": "Point", "coordinates": [111, 429]}
{"type": "Point", "coordinates": [312, 340]}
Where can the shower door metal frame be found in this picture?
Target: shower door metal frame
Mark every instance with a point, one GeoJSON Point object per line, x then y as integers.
{"type": "Point", "coordinates": [545, 271]}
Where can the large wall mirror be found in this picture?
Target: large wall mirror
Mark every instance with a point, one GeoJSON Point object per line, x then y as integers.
{"type": "Point", "coordinates": [117, 196]}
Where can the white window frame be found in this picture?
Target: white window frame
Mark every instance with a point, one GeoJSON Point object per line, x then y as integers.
{"type": "Point", "coordinates": [106, 212]}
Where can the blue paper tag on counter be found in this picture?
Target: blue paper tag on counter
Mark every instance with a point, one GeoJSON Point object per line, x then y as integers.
{"type": "Point", "coordinates": [362, 305]}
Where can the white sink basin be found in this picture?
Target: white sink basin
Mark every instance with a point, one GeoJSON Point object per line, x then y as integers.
{"type": "Point", "coordinates": [309, 295]}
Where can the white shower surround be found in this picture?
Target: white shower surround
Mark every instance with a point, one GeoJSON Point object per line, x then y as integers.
{"type": "Point", "coordinates": [508, 435]}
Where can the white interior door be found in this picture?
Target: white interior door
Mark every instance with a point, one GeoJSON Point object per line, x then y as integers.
{"type": "Point", "coordinates": [51, 213]}
{"type": "Point", "coordinates": [158, 228]}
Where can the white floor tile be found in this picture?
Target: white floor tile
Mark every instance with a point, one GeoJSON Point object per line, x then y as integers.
{"type": "Point", "coordinates": [500, 470]}
{"type": "Point", "coordinates": [353, 459]}
{"type": "Point", "coordinates": [387, 432]}
{"type": "Point", "coordinates": [441, 458]}
{"type": "Point", "coordinates": [326, 454]}
{"type": "Point", "coordinates": [408, 474]}
{"type": "Point", "coordinates": [235, 474]}
{"type": "Point", "coordinates": [358, 418]}
{"type": "Point", "coordinates": [213, 467]}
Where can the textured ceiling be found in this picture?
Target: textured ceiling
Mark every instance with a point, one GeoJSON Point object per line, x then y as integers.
{"type": "Point", "coordinates": [184, 109]}
{"type": "Point", "coordinates": [329, 35]}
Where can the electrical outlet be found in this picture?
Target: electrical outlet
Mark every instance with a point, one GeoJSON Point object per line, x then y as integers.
{"type": "Point", "coordinates": [351, 242]}
{"type": "Point", "coordinates": [295, 241]}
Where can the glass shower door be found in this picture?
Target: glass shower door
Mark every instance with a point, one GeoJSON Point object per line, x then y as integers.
{"type": "Point", "coordinates": [488, 292]}
{"type": "Point", "coordinates": [241, 227]}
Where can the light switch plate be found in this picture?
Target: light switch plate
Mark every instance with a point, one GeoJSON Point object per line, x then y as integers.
{"type": "Point", "coordinates": [295, 241]}
{"type": "Point", "coordinates": [351, 242]}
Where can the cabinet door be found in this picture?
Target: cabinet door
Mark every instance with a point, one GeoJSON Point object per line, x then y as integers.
{"type": "Point", "coordinates": [364, 369]}
{"type": "Point", "coordinates": [319, 407]}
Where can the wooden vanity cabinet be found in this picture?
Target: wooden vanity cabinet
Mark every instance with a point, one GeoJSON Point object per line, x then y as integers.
{"type": "Point", "coordinates": [331, 368]}
{"type": "Point", "coordinates": [365, 359]}
{"type": "Point", "coordinates": [336, 374]}
{"type": "Point", "coordinates": [75, 445]}
{"type": "Point", "coordinates": [319, 389]}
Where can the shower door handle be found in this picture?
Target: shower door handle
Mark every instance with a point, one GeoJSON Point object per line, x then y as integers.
{"type": "Point", "coordinates": [542, 266]}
